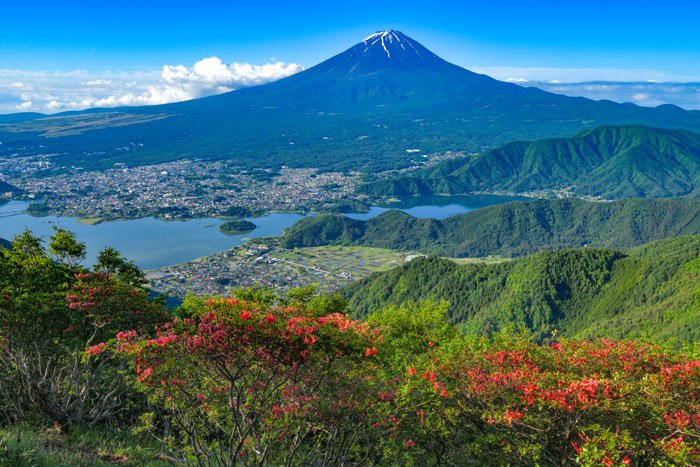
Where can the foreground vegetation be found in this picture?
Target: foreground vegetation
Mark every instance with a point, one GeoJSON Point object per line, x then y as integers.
{"type": "Point", "coordinates": [92, 371]}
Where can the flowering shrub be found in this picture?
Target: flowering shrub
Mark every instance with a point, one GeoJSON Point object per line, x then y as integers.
{"type": "Point", "coordinates": [245, 382]}
{"type": "Point", "coordinates": [594, 403]}
{"type": "Point", "coordinates": [250, 383]}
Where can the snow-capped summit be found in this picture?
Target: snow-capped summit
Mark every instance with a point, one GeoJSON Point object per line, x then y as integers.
{"type": "Point", "coordinates": [390, 39]}
{"type": "Point", "coordinates": [388, 49]}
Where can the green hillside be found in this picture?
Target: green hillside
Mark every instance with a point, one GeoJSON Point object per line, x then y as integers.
{"type": "Point", "coordinates": [653, 290]}
{"type": "Point", "coordinates": [610, 162]}
{"type": "Point", "coordinates": [510, 229]}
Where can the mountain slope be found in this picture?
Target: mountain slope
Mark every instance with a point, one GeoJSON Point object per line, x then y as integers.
{"type": "Point", "coordinates": [7, 188]}
{"type": "Point", "coordinates": [651, 292]}
{"type": "Point", "coordinates": [611, 162]}
{"type": "Point", "coordinates": [360, 109]}
{"type": "Point", "coordinates": [510, 229]}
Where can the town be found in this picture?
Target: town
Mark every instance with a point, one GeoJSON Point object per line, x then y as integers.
{"type": "Point", "coordinates": [173, 190]}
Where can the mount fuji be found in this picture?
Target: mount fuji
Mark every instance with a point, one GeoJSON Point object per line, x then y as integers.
{"type": "Point", "coordinates": [362, 109]}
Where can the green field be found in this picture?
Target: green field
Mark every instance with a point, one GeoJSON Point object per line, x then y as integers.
{"type": "Point", "coordinates": [89, 220]}
{"type": "Point", "coordinates": [355, 260]}
{"type": "Point", "coordinates": [329, 267]}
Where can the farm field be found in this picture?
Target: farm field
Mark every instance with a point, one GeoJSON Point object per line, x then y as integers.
{"type": "Point", "coordinates": [350, 260]}
{"type": "Point", "coordinates": [265, 263]}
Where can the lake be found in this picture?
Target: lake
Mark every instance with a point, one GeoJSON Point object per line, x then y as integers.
{"type": "Point", "coordinates": [437, 207]}
{"type": "Point", "coordinates": [153, 243]}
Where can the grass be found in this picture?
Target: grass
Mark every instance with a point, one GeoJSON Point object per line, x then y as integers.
{"type": "Point", "coordinates": [24, 446]}
{"type": "Point", "coordinates": [89, 220]}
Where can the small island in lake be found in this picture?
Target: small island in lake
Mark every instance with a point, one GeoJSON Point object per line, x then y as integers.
{"type": "Point", "coordinates": [236, 227]}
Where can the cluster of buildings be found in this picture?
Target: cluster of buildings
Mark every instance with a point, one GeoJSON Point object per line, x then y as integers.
{"type": "Point", "coordinates": [176, 190]}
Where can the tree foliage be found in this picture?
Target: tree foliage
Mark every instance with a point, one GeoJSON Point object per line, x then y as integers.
{"type": "Point", "coordinates": [611, 162]}
{"type": "Point", "coordinates": [511, 229]}
{"type": "Point", "coordinates": [651, 292]}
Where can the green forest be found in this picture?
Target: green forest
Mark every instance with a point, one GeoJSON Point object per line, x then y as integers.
{"type": "Point", "coordinates": [511, 229]}
{"type": "Point", "coordinates": [609, 162]}
{"type": "Point", "coordinates": [648, 292]}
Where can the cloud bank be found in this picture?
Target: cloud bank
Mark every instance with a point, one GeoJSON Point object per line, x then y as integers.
{"type": "Point", "coordinates": [649, 94]}
{"type": "Point", "coordinates": [49, 92]}
{"type": "Point", "coordinates": [639, 86]}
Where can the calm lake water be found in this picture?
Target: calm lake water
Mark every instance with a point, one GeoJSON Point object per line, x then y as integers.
{"type": "Point", "coordinates": [153, 243]}
{"type": "Point", "coordinates": [437, 207]}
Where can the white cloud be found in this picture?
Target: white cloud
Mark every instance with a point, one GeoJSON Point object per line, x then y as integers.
{"type": "Point", "coordinates": [79, 89]}
{"type": "Point", "coordinates": [686, 95]}
{"type": "Point", "coordinates": [99, 82]}
{"type": "Point", "coordinates": [578, 75]}
{"type": "Point", "coordinates": [20, 85]}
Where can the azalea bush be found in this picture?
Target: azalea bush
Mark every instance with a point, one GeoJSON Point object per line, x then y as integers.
{"type": "Point", "coordinates": [251, 383]}
{"type": "Point", "coordinates": [592, 403]}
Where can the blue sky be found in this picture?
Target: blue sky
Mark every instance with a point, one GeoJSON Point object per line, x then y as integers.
{"type": "Point", "coordinates": [43, 43]}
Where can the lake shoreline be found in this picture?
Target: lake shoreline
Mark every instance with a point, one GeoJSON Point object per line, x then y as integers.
{"type": "Point", "coordinates": [152, 242]}
{"type": "Point", "coordinates": [390, 203]}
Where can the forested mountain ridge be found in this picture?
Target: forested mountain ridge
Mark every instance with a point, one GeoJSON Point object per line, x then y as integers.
{"type": "Point", "coordinates": [510, 229]}
{"type": "Point", "coordinates": [610, 162]}
{"type": "Point", "coordinates": [653, 290]}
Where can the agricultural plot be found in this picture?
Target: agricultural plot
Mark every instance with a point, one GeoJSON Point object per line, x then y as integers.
{"type": "Point", "coordinates": [266, 264]}
{"type": "Point", "coordinates": [348, 260]}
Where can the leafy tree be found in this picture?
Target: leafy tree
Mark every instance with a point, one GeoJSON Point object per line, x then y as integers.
{"type": "Point", "coordinates": [50, 311]}
{"type": "Point", "coordinates": [110, 261]}
{"type": "Point", "coordinates": [65, 248]}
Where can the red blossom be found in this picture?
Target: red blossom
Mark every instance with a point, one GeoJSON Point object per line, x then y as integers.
{"type": "Point", "coordinates": [245, 315]}
{"type": "Point", "coordinates": [96, 349]}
